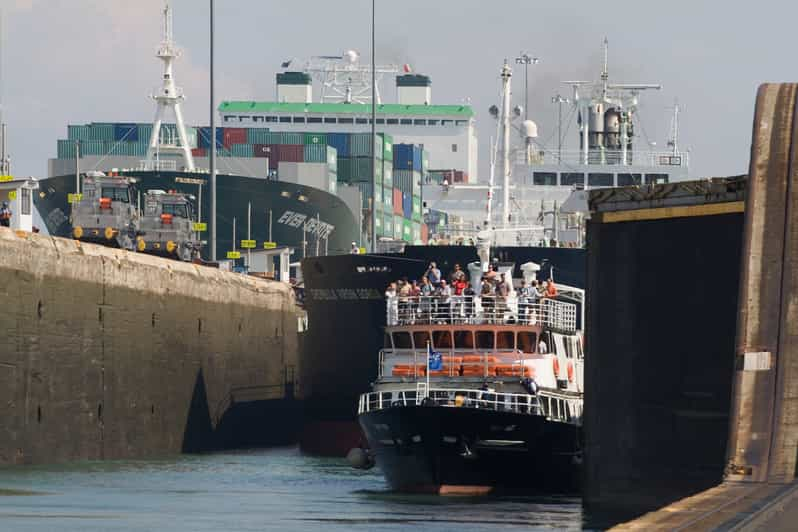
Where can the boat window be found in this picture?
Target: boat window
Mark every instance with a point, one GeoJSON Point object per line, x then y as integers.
{"type": "Point", "coordinates": [484, 339]}
{"type": "Point", "coordinates": [116, 194]}
{"type": "Point", "coordinates": [599, 180]}
{"type": "Point", "coordinates": [361, 121]}
{"type": "Point", "coordinates": [420, 339]}
{"type": "Point", "coordinates": [25, 201]}
{"type": "Point", "coordinates": [401, 340]}
{"type": "Point", "coordinates": [379, 121]}
{"type": "Point", "coordinates": [527, 342]}
{"type": "Point", "coordinates": [419, 122]}
{"type": "Point", "coordinates": [174, 209]}
{"type": "Point", "coordinates": [392, 121]}
{"type": "Point", "coordinates": [386, 340]}
{"type": "Point", "coordinates": [346, 120]}
{"type": "Point", "coordinates": [656, 178]}
{"type": "Point", "coordinates": [544, 178]}
{"type": "Point", "coordinates": [504, 340]}
{"type": "Point", "coordinates": [461, 122]}
{"type": "Point", "coordinates": [285, 119]}
{"type": "Point", "coordinates": [271, 119]}
{"type": "Point", "coordinates": [406, 122]}
{"type": "Point", "coordinates": [314, 120]}
{"type": "Point", "coordinates": [463, 340]}
{"type": "Point", "coordinates": [433, 122]}
{"type": "Point", "coordinates": [625, 180]}
{"type": "Point", "coordinates": [572, 178]}
{"type": "Point", "coordinates": [299, 120]}
{"type": "Point", "coordinates": [441, 339]}
{"type": "Point", "coordinates": [330, 120]}
{"type": "Point", "coordinates": [447, 122]}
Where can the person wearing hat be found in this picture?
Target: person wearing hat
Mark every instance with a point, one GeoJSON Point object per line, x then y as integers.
{"type": "Point", "coordinates": [355, 250]}
{"type": "Point", "coordinates": [5, 215]}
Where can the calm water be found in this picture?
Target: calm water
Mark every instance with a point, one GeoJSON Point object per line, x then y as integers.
{"type": "Point", "coordinates": [276, 489]}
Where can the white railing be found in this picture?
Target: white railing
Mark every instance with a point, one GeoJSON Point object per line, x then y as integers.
{"type": "Point", "coordinates": [163, 165]}
{"type": "Point", "coordinates": [480, 309]}
{"type": "Point", "coordinates": [605, 157]}
{"type": "Point", "coordinates": [411, 364]}
{"type": "Point", "coordinates": [558, 407]}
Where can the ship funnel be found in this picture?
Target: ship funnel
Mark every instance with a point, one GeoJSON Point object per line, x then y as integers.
{"type": "Point", "coordinates": [483, 249]}
{"type": "Point", "coordinates": [414, 89]}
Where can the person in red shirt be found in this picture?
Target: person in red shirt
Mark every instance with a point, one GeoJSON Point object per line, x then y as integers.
{"type": "Point", "coordinates": [551, 289]}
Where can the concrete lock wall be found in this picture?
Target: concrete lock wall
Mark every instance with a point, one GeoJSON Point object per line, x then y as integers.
{"type": "Point", "coordinates": [110, 354]}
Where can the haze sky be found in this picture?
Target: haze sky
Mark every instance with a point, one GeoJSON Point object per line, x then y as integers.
{"type": "Point", "coordinates": [78, 61]}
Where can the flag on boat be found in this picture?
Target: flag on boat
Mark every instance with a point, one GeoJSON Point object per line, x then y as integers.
{"type": "Point", "coordinates": [434, 359]}
{"type": "Point", "coordinates": [407, 68]}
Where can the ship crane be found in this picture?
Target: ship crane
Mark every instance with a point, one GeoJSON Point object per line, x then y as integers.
{"type": "Point", "coordinates": [344, 80]}
{"type": "Point", "coordinates": [168, 96]}
{"type": "Point", "coordinates": [605, 114]}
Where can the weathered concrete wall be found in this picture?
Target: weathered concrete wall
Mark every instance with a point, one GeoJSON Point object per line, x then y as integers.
{"type": "Point", "coordinates": [109, 354]}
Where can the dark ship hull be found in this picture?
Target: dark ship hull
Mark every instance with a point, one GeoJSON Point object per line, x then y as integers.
{"type": "Point", "coordinates": [344, 298]}
{"type": "Point", "coordinates": [329, 225]}
{"type": "Point", "coordinates": [445, 450]}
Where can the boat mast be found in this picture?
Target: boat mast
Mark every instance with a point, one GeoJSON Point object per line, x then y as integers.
{"type": "Point", "coordinates": [5, 160]}
{"type": "Point", "coordinates": [506, 74]}
{"type": "Point", "coordinates": [674, 141]}
{"type": "Point", "coordinates": [168, 96]}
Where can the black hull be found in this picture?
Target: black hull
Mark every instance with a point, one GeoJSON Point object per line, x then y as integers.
{"type": "Point", "coordinates": [425, 449]}
{"type": "Point", "coordinates": [346, 315]}
{"type": "Point", "coordinates": [235, 193]}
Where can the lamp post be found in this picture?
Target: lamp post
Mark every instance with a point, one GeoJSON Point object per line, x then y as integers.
{"type": "Point", "coordinates": [373, 228]}
{"type": "Point", "coordinates": [526, 60]}
{"type": "Point", "coordinates": [559, 100]}
{"type": "Point", "coordinates": [213, 147]}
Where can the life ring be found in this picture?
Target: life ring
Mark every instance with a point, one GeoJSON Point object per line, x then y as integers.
{"type": "Point", "coordinates": [570, 372]}
{"type": "Point", "coordinates": [556, 364]}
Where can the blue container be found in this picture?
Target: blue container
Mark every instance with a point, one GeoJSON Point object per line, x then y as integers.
{"type": "Point", "coordinates": [204, 137]}
{"type": "Point", "coordinates": [408, 157]}
{"type": "Point", "coordinates": [418, 158]}
{"type": "Point", "coordinates": [407, 205]}
{"type": "Point", "coordinates": [339, 141]}
{"type": "Point", "coordinates": [126, 132]}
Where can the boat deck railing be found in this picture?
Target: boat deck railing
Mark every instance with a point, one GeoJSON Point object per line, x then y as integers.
{"type": "Point", "coordinates": [645, 158]}
{"type": "Point", "coordinates": [554, 406]}
{"type": "Point", "coordinates": [413, 364]}
{"type": "Point", "coordinates": [419, 310]}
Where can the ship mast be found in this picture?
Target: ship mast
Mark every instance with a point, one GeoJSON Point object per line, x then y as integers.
{"type": "Point", "coordinates": [506, 74]}
{"type": "Point", "coordinates": [168, 96]}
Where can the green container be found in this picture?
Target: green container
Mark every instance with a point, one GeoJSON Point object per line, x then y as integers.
{"type": "Point", "coordinates": [66, 149]}
{"type": "Point", "coordinates": [387, 150]}
{"type": "Point", "coordinates": [398, 224]}
{"type": "Point", "coordinates": [78, 133]}
{"type": "Point", "coordinates": [416, 209]}
{"type": "Point", "coordinates": [417, 233]}
{"type": "Point", "coordinates": [378, 225]}
{"type": "Point", "coordinates": [315, 139]}
{"type": "Point", "coordinates": [387, 173]}
{"type": "Point", "coordinates": [360, 145]}
{"type": "Point", "coordinates": [315, 153]}
{"type": "Point", "coordinates": [387, 224]}
{"type": "Point", "coordinates": [387, 199]}
{"type": "Point", "coordinates": [101, 132]}
{"type": "Point", "coordinates": [345, 169]}
{"type": "Point", "coordinates": [145, 130]}
{"type": "Point", "coordinates": [242, 150]}
{"type": "Point", "coordinates": [417, 184]}
{"type": "Point", "coordinates": [258, 135]}
{"type": "Point", "coordinates": [332, 159]}
{"type": "Point", "coordinates": [92, 147]}
{"type": "Point", "coordinates": [289, 138]}
{"type": "Point", "coordinates": [407, 230]}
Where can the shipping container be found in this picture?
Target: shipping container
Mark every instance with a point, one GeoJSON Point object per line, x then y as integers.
{"type": "Point", "coordinates": [407, 181]}
{"type": "Point", "coordinates": [204, 137]}
{"type": "Point", "coordinates": [241, 150]}
{"type": "Point", "coordinates": [416, 233]}
{"type": "Point", "coordinates": [407, 157]}
{"type": "Point", "coordinates": [66, 149]}
{"type": "Point", "coordinates": [387, 152]}
{"type": "Point", "coordinates": [101, 131]}
{"type": "Point", "coordinates": [314, 139]}
{"type": "Point", "coordinates": [199, 152]}
{"type": "Point", "coordinates": [416, 209]}
{"type": "Point", "coordinates": [145, 132]}
{"type": "Point", "coordinates": [387, 199]}
{"type": "Point", "coordinates": [126, 132]}
{"type": "Point", "coordinates": [398, 225]}
{"type": "Point", "coordinates": [416, 191]}
{"type": "Point", "coordinates": [366, 190]}
{"type": "Point", "coordinates": [378, 197]}
{"type": "Point", "coordinates": [78, 133]}
{"type": "Point", "coordinates": [262, 150]}
{"type": "Point", "coordinates": [387, 224]}
{"type": "Point", "coordinates": [339, 141]}
{"type": "Point", "coordinates": [360, 145]}
{"type": "Point", "coordinates": [424, 234]}
{"type": "Point", "coordinates": [191, 137]}
{"type": "Point", "coordinates": [315, 153]}
{"type": "Point", "coordinates": [407, 206]}
{"type": "Point", "coordinates": [407, 231]}
{"type": "Point", "coordinates": [292, 153]}
{"type": "Point", "coordinates": [233, 136]}
{"type": "Point", "coordinates": [387, 173]}
{"type": "Point", "coordinates": [397, 201]}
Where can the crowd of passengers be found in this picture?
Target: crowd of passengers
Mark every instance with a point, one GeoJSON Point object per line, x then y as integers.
{"type": "Point", "coordinates": [438, 299]}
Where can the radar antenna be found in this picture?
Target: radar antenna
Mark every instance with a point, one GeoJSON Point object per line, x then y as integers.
{"type": "Point", "coordinates": [166, 97]}
{"type": "Point", "coordinates": [344, 79]}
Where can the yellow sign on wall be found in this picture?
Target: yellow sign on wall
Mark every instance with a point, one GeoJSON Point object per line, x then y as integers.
{"type": "Point", "coordinates": [199, 227]}
{"type": "Point", "coordinates": [248, 244]}
{"type": "Point", "coordinates": [269, 245]}
{"type": "Point", "coordinates": [12, 194]}
{"type": "Point", "coordinates": [233, 254]}
{"type": "Point", "coordinates": [4, 178]}
{"type": "Point", "coordinates": [74, 198]}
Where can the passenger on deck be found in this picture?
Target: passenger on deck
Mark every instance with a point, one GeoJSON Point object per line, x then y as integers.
{"type": "Point", "coordinates": [458, 299]}
{"type": "Point", "coordinates": [425, 304]}
{"type": "Point", "coordinates": [434, 274]}
{"type": "Point", "coordinates": [524, 296]}
{"type": "Point", "coordinates": [468, 295]}
{"type": "Point", "coordinates": [354, 250]}
{"type": "Point", "coordinates": [491, 274]}
{"type": "Point", "coordinates": [392, 303]}
{"type": "Point", "coordinates": [457, 274]}
{"type": "Point", "coordinates": [502, 291]}
{"type": "Point", "coordinates": [551, 289]}
{"type": "Point", "coordinates": [487, 298]}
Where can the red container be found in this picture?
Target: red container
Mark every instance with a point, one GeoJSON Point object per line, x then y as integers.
{"type": "Point", "coordinates": [397, 202]}
{"type": "Point", "coordinates": [234, 135]}
{"type": "Point", "coordinates": [199, 152]}
{"type": "Point", "coordinates": [261, 150]}
{"type": "Point", "coordinates": [290, 153]}
{"type": "Point", "coordinates": [460, 177]}
{"type": "Point", "coordinates": [424, 234]}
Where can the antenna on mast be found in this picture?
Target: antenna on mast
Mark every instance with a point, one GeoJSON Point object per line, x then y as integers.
{"type": "Point", "coordinates": [5, 160]}
{"type": "Point", "coordinates": [673, 142]}
{"type": "Point", "coordinates": [166, 97]}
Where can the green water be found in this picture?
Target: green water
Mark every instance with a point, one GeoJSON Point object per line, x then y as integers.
{"type": "Point", "coordinates": [276, 489]}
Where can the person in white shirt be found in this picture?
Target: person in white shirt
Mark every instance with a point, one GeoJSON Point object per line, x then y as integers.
{"type": "Point", "coordinates": [542, 347]}
{"type": "Point", "coordinates": [445, 301]}
{"type": "Point", "coordinates": [392, 300]}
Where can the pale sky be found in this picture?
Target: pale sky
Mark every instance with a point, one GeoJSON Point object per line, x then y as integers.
{"type": "Point", "coordinates": [78, 61]}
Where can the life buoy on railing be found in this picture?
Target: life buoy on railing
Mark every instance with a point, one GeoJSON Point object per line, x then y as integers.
{"type": "Point", "coordinates": [556, 364]}
{"type": "Point", "coordinates": [571, 372]}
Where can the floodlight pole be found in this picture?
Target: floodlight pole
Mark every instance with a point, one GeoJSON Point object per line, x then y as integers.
{"type": "Point", "coordinates": [373, 228]}
{"type": "Point", "coordinates": [213, 145]}
{"type": "Point", "coordinates": [526, 60]}
{"type": "Point", "coordinates": [559, 100]}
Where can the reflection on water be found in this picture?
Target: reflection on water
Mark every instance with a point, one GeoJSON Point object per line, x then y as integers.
{"type": "Point", "coordinates": [277, 489]}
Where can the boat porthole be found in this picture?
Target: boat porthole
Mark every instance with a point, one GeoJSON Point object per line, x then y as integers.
{"type": "Point", "coordinates": [100, 412]}
{"type": "Point", "coordinates": [199, 325]}
{"type": "Point", "coordinates": [153, 320]}
{"type": "Point", "coordinates": [39, 413]}
{"type": "Point", "coordinates": [39, 310]}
